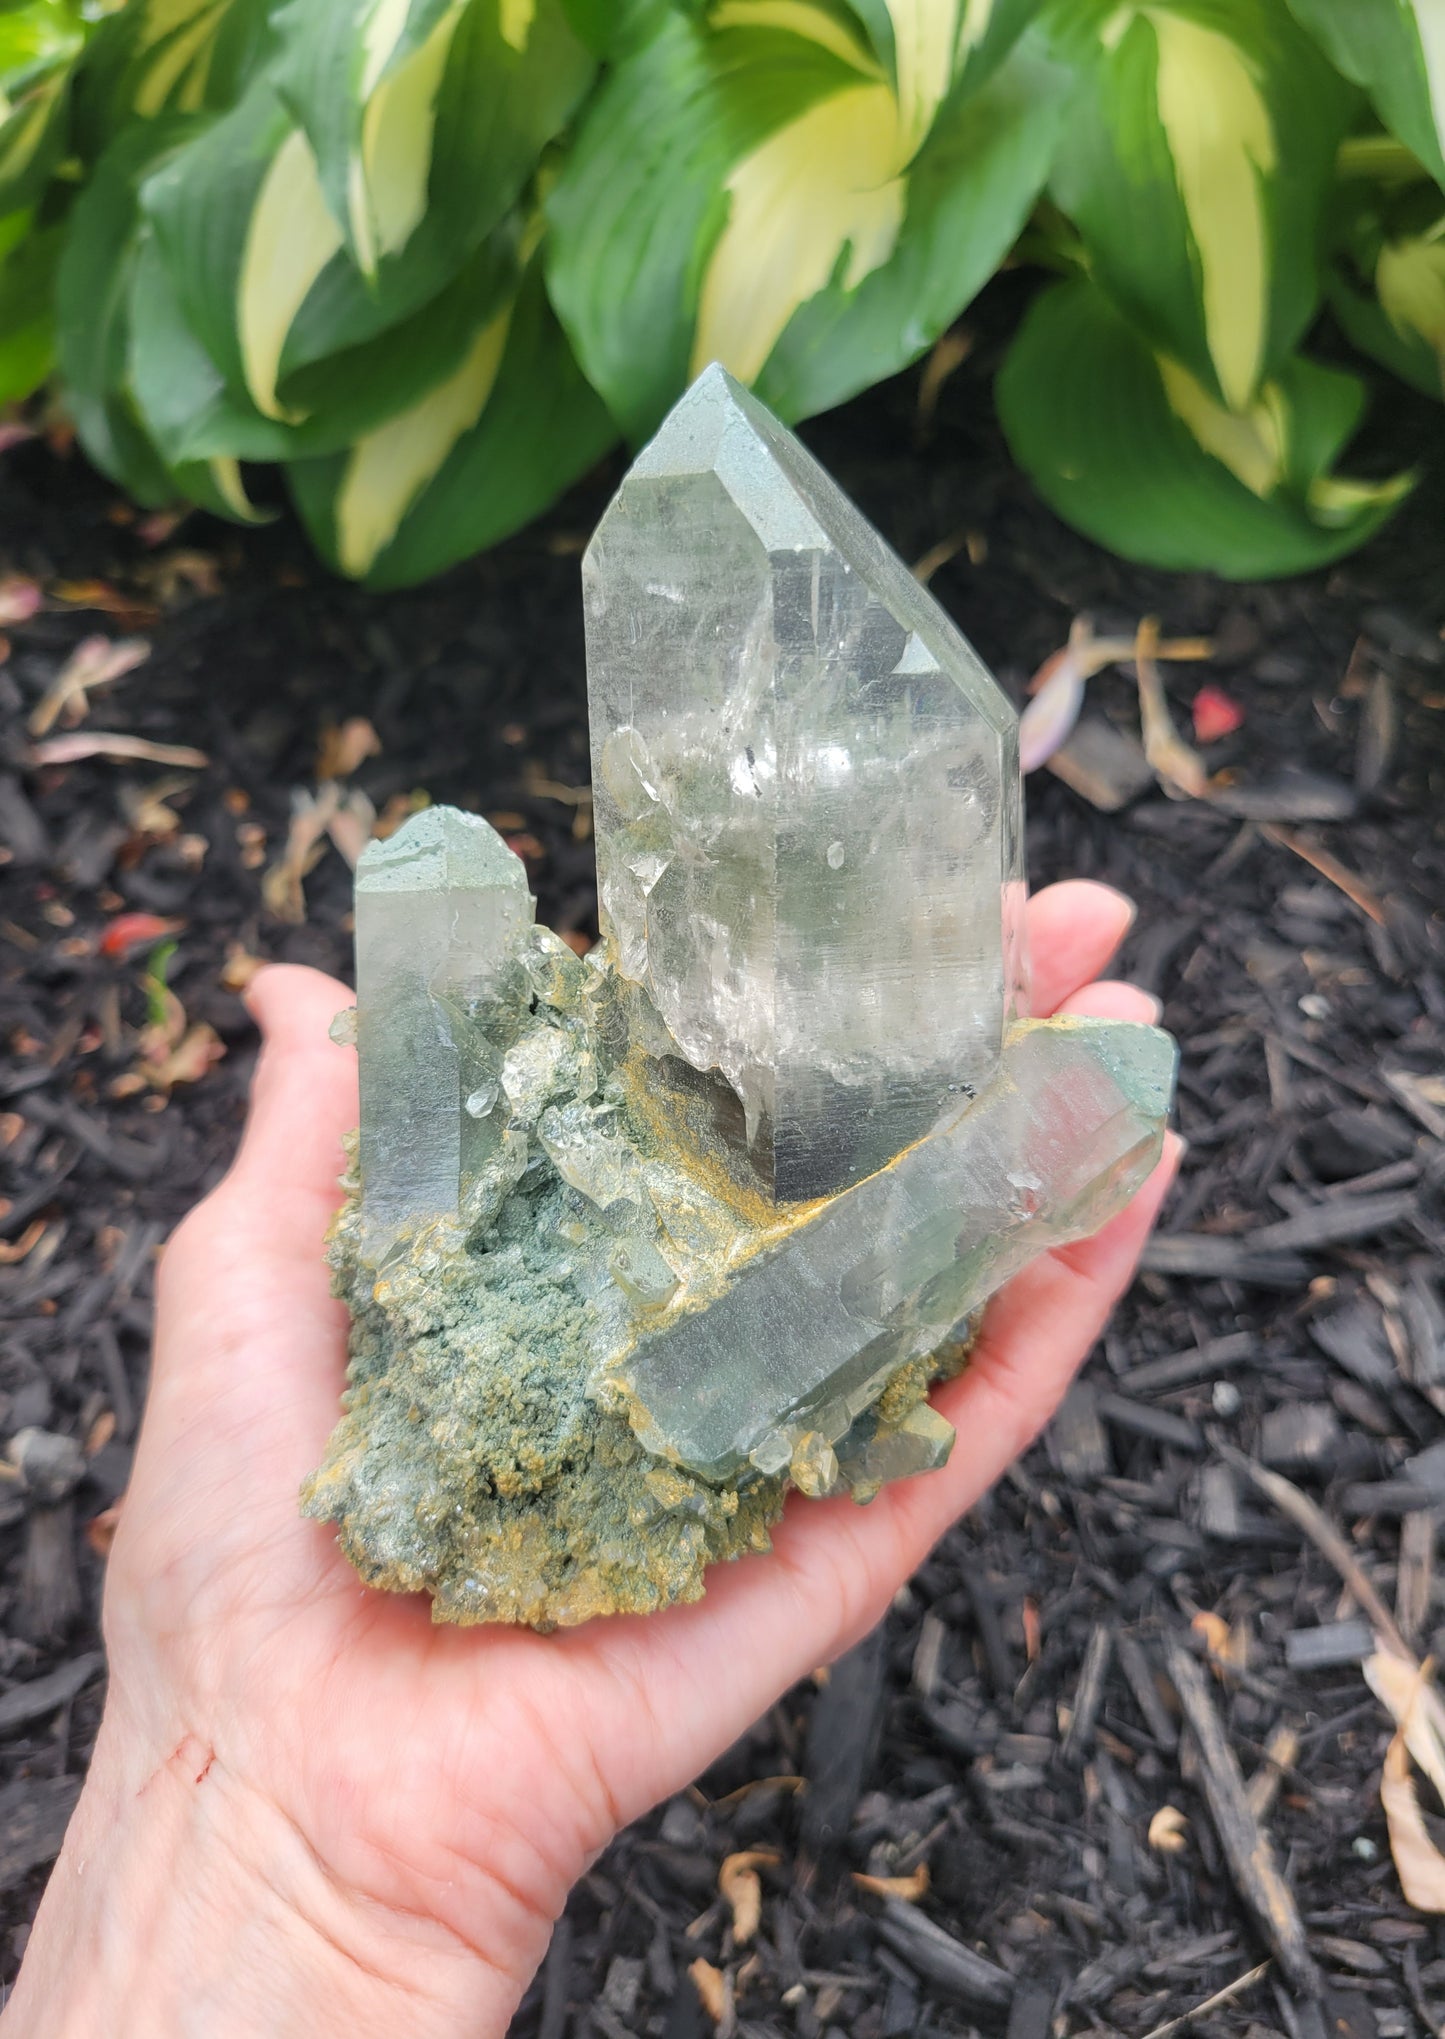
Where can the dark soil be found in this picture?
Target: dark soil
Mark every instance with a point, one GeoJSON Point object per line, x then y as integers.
{"type": "Point", "coordinates": [1014, 1726]}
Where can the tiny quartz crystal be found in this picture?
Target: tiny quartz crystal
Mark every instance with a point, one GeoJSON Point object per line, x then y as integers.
{"type": "Point", "coordinates": [634, 1243]}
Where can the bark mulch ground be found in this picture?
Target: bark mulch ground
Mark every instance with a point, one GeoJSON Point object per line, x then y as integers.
{"type": "Point", "coordinates": [1133, 1621]}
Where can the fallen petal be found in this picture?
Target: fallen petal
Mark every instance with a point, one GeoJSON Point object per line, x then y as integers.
{"type": "Point", "coordinates": [1215, 715]}
{"type": "Point", "coordinates": [1058, 695]}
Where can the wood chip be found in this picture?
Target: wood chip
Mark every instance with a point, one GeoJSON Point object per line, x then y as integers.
{"type": "Point", "coordinates": [40, 1696]}
{"type": "Point", "coordinates": [945, 1962]}
{"type": "Point", "coordinates": [34, 1813]}
{"type": "Point", "coordinates": [1331, 1644]}
{"type": "Point", "coordinates": [1076, 1439]}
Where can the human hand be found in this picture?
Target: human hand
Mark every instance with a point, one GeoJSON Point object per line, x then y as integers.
{"type": "Point", "coordinates": [310, 1810]}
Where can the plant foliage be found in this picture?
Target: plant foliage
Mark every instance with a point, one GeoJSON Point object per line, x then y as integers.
{"type": "Point", "coordinates": [429, 257]}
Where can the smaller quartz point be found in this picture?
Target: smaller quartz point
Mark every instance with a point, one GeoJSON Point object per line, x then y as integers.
{"type": "Point", "coordinates": [815, 1325]}
{"type": "Point", "coordinates": [441, 908]}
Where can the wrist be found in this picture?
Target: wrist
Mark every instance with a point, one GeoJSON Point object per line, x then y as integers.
{"type": "Point", "coordinates": [182, 1902]}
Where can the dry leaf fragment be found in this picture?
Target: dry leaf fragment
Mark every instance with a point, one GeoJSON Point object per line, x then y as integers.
{"type": "Point", "coordinates": [343, 749]}
{"type": "Point", "coordinates": [1057, 689]}
{"type": "Point", "coordinates": [712, 1988]}
{"type": "Point", "coordinates": [13, 1251]}
{"type": "Point", "coordinates": [741, 1887]}
{"type": "Point", "coordinates": [1180, 769]}
{"type": "Point", "coordinates": [1228, 1648]}
{"type": "Point", "coordinates": [100, 1433]}
{"type": "Point", "coordinates": [1168, 1830]}
{"type": "Point", "coordinates": [908, 1889]}
{"type": "Point", "coordinates": [1420, 1864]}
{"type": "Point", "coordinates": [97, 594]}
{"type": "Point", "coordinates": [95, 662]}
{"type": "Point", "coordinates": [950, 351]}
{"type": "Point", "coordinates": [311, 817]}
{"type": "Point", "coordinates": [71, 750]}
{"type": "Point", "coordinates": [100, 1530]}
{"type": "Point", "coordinates": [162, 1064]}
{"type": "Point", "coordinates": [1415, 1705]}
{"type": "Point", "coordinates": [20, 598]}
{"type": "Point", "coordinates": [239, 967]}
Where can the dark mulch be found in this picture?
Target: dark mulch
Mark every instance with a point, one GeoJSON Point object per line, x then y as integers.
{"type": "Point", "coordinates": [1011, 1727]}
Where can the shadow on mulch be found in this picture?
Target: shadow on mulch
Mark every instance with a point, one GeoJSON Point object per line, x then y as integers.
{"type": "Point", "coordinates": [1010, 1730]}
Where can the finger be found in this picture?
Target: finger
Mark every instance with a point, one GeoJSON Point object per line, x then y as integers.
{"type": "Point", "coordinates": [1074, 929]}
{"type": "Point", "coordinates": [303, 1100]}
{"type": "Point", "coordinates": [1110, 999]}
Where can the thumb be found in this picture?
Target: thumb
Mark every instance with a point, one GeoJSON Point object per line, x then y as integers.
{"type": "Point", "coordinates": [303, 1102]}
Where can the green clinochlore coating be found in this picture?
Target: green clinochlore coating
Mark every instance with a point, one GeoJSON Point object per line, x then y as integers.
{"type": "Point", "coordinates": [472, 1463]}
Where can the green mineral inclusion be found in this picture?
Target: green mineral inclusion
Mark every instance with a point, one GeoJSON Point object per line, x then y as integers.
{"type": "Point", "coordinates": [632, 1244]}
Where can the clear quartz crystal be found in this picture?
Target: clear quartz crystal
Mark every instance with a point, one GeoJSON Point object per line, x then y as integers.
{"type": "Point", "coordinates": [811, 1329]}
{"type": "Point", "coordinates": [441, 909]}
{"type": "Point", "coordinates": [807, 798]}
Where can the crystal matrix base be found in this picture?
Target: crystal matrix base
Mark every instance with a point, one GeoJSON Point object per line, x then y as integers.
{"type": "Point", "coordinates": [589, 1380]}
{"type": "Point", "coordinates": [471, 1463]}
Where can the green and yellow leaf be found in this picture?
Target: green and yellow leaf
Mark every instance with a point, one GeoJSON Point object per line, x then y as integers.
{"type": "Point", "coordinates": [1138, 452]}
{"type": "Point", "coordinates": [769, 172]}
{"type": "Point", "coordinates": [1396, 50]}
{"type": "Point", "coordinates": [1196, 167]}
{"type": "Point", "coordinates": [478, 459]}
{"type": "Point", "coordinates": [387, 469]}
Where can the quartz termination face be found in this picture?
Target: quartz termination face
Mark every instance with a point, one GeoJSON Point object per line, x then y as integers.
{"type": "Point", "coordinates": [633, 1243]}
{"type": "Point", "coordinates": [807, 799]}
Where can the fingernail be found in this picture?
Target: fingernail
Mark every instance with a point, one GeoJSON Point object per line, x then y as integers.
{"type": "Point", "coordinates": [1130, 906]}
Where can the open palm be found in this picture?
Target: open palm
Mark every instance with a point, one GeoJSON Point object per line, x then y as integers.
{"type": "Point", "coordinates": [422, 1798]}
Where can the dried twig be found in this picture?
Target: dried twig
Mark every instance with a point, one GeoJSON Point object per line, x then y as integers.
{"type": "Point", "coordinates": [1217, 2002]}
{"type": "Point", "coordinates": [1246, 1845]}
{"type": "Point", "coordinates": [1306, 1516]}
{"type": "Point", "coordinates": [95, 662]}
{"type": "Point", "coordinates": [94, 743]}
{"type": "Point", "coordinates": [1319, 859]}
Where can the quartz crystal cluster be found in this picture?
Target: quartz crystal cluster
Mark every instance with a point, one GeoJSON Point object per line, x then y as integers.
{"type": "Point", "coordinates": [634, 1242]}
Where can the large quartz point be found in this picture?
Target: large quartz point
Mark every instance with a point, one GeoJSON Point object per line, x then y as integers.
{"type": "Point", "coordinates": [440, 907]}
{"type": "Point", "coordinates": [807, 798]}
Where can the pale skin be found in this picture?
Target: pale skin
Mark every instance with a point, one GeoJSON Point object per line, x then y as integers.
{"type": "Point", "coordinates": [309, 1810]}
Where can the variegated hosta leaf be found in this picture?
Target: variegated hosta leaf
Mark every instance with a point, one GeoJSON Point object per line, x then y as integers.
{"type": "Point", "coordinates": [27, 274]}
{"type": "Point", "coordinates": [1196, 163]}
{"type": "Point", "coordinates": [1410, 283]}
{"type": "Point", "coordinates": [1396, 50]}
{"type": "Point", "coordinates": [92, 309]}
{"type": "Point", "coordinates": [244, 227]}
{"type": "Point", "coordinates": [1135, 450]}
{"type": "Point", "coordinates": [162, 56]}
{"type": "Point", "coordinates": [771, 172]}
{"type": "Point", "coordinates": [402, 98]}
{"type": "Point", "coordinates": [472, 461]}
{"type": "Point", "coordinates": [193, 415]}
{"type": "Point", "coordinates": [38, 47]}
